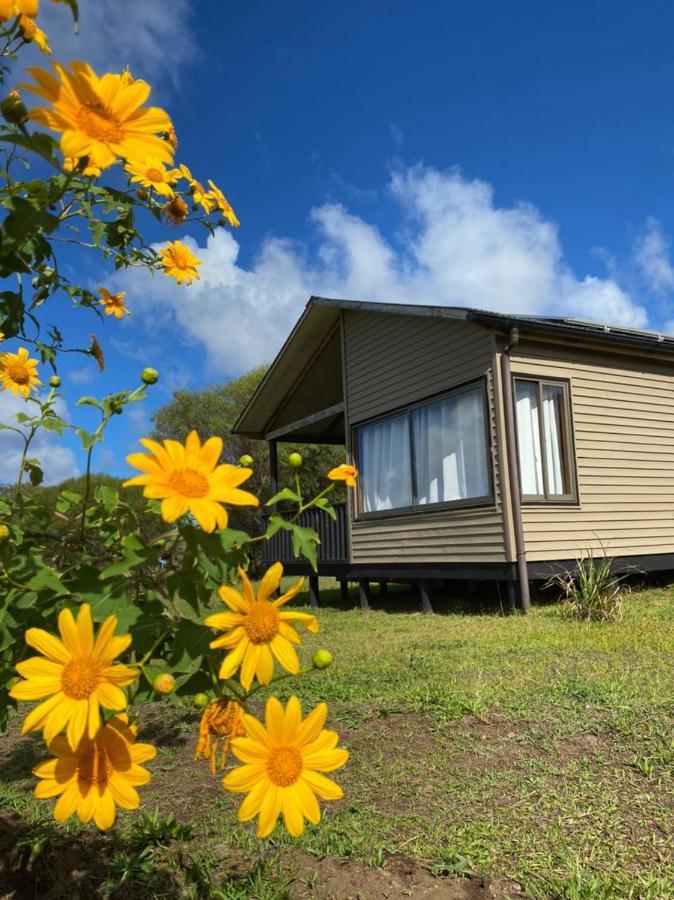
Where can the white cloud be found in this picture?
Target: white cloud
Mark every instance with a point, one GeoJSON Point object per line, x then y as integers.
{"type": "Point", "coordinates": [456, 247]}
{"type": "Point", "coordinates": [57, 461]}
{"type": "Point", "coordinates": [145, 35]}
{"type": "Point", "coordinates": [651, 255]}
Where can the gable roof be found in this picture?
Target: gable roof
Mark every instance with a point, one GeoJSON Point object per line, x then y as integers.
{"type": "Point", "coordinates": [321, 316]}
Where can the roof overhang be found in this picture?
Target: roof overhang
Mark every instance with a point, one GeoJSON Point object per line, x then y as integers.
{"type": "Point", "coordinates": [301, 397]}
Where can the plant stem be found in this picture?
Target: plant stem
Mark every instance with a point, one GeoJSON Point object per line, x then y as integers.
{"type": "Point", "coordinates": [87, 487]}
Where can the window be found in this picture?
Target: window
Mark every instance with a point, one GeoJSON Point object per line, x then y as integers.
{"type": "Point", "coordinates": [435, 453]}
{"type": "Point", "coordinates": [384, 465]}
{"type": "Point", "coordinates": [543, 415]}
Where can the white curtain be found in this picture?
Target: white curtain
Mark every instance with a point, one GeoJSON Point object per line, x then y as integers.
{"type": "Point", "coordinates": [384, 465]}
{"type": "Point", "coordinates": [450, 449]}
{"type": "Point", "coordinates": [553, 411]}
{"type": "Point", "coordinates": [529, 438]}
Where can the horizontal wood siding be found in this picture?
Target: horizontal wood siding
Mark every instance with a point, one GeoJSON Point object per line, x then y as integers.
{"type": "Point", "coordinates": [623, 412]}
{"type": "Point", "coordinates": [393, 361]}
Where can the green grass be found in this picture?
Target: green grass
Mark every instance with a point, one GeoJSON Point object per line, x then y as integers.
{"type": "Point", "coordinates": [535, 750]}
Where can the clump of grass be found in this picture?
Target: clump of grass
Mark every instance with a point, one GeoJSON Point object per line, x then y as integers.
{"type": "Point", "coordinates": [592, 592]}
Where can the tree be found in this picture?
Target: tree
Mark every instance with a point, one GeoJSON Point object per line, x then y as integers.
{"type": "Point", "coordinates": [215, 409]}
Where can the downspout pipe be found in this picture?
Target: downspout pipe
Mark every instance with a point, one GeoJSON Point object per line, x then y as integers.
{"type": "Point", "coordinates": [514, 469]}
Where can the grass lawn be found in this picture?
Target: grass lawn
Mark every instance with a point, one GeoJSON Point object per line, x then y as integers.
{"type": "Point", "coordinates": [490, 757]}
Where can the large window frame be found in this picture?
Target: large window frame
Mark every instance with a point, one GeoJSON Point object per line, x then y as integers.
{"type": "Point", "coordinates": [423, 508]}
{"type": "Point", "coordinates": [548, 498]}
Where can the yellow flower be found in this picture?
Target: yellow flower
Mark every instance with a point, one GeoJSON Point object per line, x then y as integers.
{"type": "Point", "coordinates": [189, 479]}
{"type": "Point", "coordinates": [282, 767]}
{"type": "Point", "coordinates": [100, 774]}
{"type": "Point", "coordinates": [176, 210]}
{"type": "Point", "coordinates": [89, 171]}
{"type": "Point", "coordinates": [221, 720]}
{"type": "Point", "coordinates": [257, 630]}
{"type": "Point", "coordinates": [199, 194]}
{"type": "Point", "coordinates": [2, 335]}
{"type": "Point", "coordinates": [11, 8]}
{"type": "Point", "coordinates": [152, 174]}
{"type": "Point", "coordinates": [100, 118]}
{"type": "Point", "coordinates": [113, 303]}
{"type": "Point", "coordinates": [179, 262]}
{"type": "Point", "coordinates": [30, 32]}
{"type": "Point", "coordinates": [76, 673]}
{"type": "Point", "coordinates": [223, 204]}
{"type": "Point", "coordinates": [18, 373]}
{"type": "Point", "coordinates": [344, 473]}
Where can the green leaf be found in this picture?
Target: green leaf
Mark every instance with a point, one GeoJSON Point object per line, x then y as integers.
{"type": "Point", "coordinates": [190, 643]}
{"type": "Point", "coordinates": [136, 554]}
{"type": "Point", "coordinates": [89, 401]}
{"type": "Point", "coordinates": [88, 439]}
{"type": "Point", "coordinates": [327, 507]}
{"type": "Point", "coordinates": [108, 496]}
{"type": "Point", "coordinates": [284, 494]}
{"type": "Point", "coordinates": [305, 543]}
{"type": "Point", "coordinates": [47, 579]}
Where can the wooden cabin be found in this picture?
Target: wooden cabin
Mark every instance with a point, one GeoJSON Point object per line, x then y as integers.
{"type": "Point", "coordinates": [489, 446]}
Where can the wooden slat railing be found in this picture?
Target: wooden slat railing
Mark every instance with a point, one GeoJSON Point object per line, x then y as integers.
{"type": "Point", "coordinates": [332, 533]}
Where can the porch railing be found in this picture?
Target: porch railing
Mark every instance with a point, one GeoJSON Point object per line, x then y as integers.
{"type": "Point", "coordinates": [332, 533]}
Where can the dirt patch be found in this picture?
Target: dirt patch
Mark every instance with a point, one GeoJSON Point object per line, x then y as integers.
{"type": "Point", "coordinates": [337, 879]}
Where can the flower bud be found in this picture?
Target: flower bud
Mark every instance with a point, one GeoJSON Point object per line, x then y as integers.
{"type": "Point", "coordinates": [142, 195]}
{"type": "Point", "coordinates": [200, 700]}
{"type": "Point", "coordinates": [149, 376]}
{"type": "Point", "coordinates": [164, 683]}
{"type": "Point", "coordinates": [55, 381]}
{"type": "Point", "coordinates": [4, 534]}
{"type": "Point", "coordinates": [246, 460]}
{"type": "Point", "coordinates": [295, 460]}
{"type": "Point", "coordinates": [321, 659]}
{"type": "Point", "coordinates": [13, 109]}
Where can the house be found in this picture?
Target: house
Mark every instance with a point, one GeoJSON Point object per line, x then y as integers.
{"type": "Point", "coordinates": [489, 446]}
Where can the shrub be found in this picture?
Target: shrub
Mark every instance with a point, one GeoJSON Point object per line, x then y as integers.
{"type": "Point", "coordinates": [592, 592]}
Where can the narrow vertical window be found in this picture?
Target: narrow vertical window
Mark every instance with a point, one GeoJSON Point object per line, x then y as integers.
{"type": "Point", "coordinates": [384, 465]}
{"type": "Point", "coordinates": [544, 439]}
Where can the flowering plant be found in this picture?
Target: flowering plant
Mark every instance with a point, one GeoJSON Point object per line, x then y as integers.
{"type": "Point", "coordinates": [135, 610]}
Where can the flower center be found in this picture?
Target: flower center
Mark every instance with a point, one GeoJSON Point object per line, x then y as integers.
{"type": "Point", "coordinates": [189, 483]}
{"type": "Point", "coordinates": [284, 766]}
{"type": "Point", "coordinates": [262, 622]}
{"type": "Point", "coordinates": [95, 767]}
{"type": "Point", "coordinates": [177, 208]}
{"type": "Point", "coordinates": [154, 175]}
{"type": "Point", "coordinates": [98, 123]}
{"type": "Point", "coordinates": [180, 259]}
{"type": "Point", "coordinates": [18, 373]}
{"type": "Point", "coordinates": [81, 677]}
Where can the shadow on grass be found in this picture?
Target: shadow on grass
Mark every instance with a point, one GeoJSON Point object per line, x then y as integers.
{"type": "Point", "coordinates": [43, 859]}
{"type": "Point", "coordinates": [21, 754]}
{"type": "Point", "coordinates": [447, 598]}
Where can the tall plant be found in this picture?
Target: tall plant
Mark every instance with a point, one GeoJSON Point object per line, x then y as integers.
{"type": "Point", "coordinates": [97, 614]}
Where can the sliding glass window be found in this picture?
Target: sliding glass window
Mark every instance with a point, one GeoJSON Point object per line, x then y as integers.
{"type": "Point", "coordinates": [543, 415]}
{"type": "Point", "coordinates": [432, 454]}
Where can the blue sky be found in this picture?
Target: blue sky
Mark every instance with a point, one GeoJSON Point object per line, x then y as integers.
{"type": "Point", "coordinates": [511, 156]}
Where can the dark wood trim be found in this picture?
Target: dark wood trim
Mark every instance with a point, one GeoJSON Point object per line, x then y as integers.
{"type": "Point", "coordinates": [507, 572]}
{"type": "Point", "coordinates": [287, 430]}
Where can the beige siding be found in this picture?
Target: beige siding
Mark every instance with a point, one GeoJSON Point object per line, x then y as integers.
{"type": "Point", "coordinates": [392, 361]}
{"type": "Point", "coordinates": [623, 412]}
